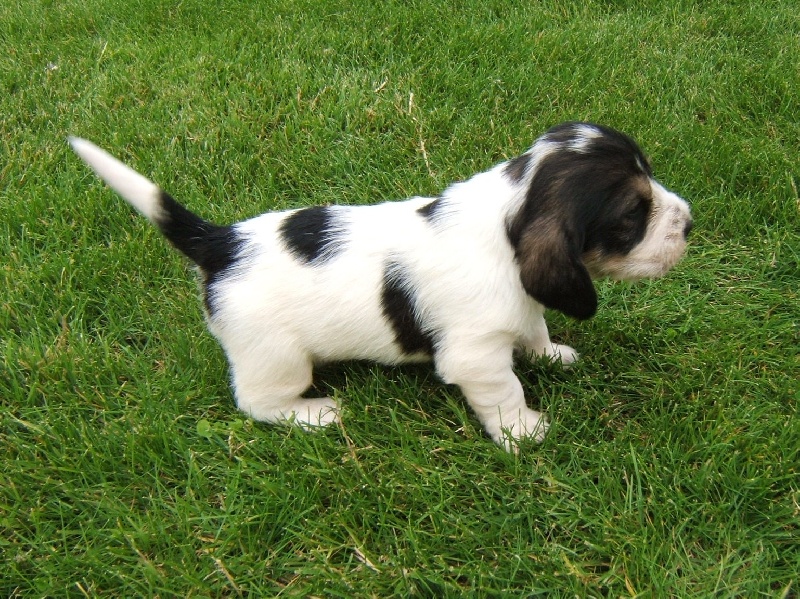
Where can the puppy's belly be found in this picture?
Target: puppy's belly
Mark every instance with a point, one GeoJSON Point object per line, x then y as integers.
{"type": "Point", "coordinates": [354, 341]}
{"type": "Point", "coordinates": [324, 329]}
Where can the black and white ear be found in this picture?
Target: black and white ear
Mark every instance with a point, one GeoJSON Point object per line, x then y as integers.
{"type": "Point", "coordinates": [552, 270]}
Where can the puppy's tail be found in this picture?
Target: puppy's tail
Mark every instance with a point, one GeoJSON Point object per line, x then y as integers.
{"type": "Point", "coordinates": [210, 246]}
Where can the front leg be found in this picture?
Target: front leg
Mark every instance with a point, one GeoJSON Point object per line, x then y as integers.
{"type": "Point", "coordinates": [537, 343]}
{"type": "Point", "coordinates": [492, 390]}
{"type": "Point", "coordinates": [499, 403]}
{"type": "Point", "coordinates": [556, 352]}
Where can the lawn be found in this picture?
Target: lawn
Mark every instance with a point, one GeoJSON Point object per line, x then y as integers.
{"type": "Point", "coordinates": [672, 465]}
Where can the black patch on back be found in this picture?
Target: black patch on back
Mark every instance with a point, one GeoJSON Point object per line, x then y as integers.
{"type": "Point", "coordinates": [432, 211]}
{"type": "Point", "coordinates": [398, 303]}
{"type": "Point", "coordinates": [214, 248]}
{"type": "Point", "coordinates": [516, 167]}
{"type": "Point", "coordinates": [313, 235]}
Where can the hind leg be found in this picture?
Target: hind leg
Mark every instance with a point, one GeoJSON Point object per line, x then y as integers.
{"type": "Point", "coordinates": [269, 384]}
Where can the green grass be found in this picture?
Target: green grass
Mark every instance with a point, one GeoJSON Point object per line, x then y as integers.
{"type": "Point", "coordinates": [671, 468]}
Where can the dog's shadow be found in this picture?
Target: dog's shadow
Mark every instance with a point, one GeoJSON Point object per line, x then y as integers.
{"type": "Point", "coordinates": [338, 378]}
{"type": "Point", "coordinates": [414, 386]}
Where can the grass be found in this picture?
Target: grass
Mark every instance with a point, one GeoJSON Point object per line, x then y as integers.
{"type": "Point", "coordinates": [671, 468]}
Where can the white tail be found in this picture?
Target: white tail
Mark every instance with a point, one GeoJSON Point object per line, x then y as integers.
{"type": "Point", "coordinates": [141, 193]}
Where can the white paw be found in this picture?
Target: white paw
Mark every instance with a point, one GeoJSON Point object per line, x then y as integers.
{"type": "Point", "coordinates": [311, 414]}
{"type": "Point", "coordinates": [525, 424]}
{"type": "Point", "coordinates": [562, 353]}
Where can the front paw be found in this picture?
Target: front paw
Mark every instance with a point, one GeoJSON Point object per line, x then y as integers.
{"type": "Point", "coordinates": [509, 430]}
{"type": "Point", "coordinates": [562, 353]}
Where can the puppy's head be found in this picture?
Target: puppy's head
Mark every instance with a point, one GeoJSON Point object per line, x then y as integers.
{"type": "Point", "coordinates": [591, 209]}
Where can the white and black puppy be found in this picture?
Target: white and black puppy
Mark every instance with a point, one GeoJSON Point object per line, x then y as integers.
{"type": "Point", "coordinates": [462, 279]}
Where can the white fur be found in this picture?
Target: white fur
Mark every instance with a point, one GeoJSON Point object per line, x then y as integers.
{"type": "Point", "coordinates": [138, 190]}
{"type": "Point", "coordinates": [464, 277]}
{"type": "Point", "coordinates": [277, 317]}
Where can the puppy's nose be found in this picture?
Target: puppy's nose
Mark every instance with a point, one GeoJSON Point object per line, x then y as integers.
{"type": "Point", "coordinates": [687, 228]}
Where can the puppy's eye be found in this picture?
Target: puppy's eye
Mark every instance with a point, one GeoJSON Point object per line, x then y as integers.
{"type": "Point", "coordinates": [639, 207]}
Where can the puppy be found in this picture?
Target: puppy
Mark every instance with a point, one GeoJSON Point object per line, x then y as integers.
{"type": "Point", "coordinates": [462, 279]}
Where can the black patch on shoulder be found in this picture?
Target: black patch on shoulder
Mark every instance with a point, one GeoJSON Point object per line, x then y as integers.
{"type": "Point", "coordinates": [432, 211]}
{"type": "Point", "coordinates": [314, 235]}
{"type": "Point", "coordinates": [214, 248]}
{"type": "Point", "coordinates": [516, 167]}
{"type": "Point", "coordinates": [398, 303]}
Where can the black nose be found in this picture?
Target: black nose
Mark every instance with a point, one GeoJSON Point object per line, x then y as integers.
{"type": "Point", "coordinates": [688, 228]}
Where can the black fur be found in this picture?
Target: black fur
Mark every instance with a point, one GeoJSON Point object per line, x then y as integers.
{"type": "Point", "coordinates": [398, 304]}
{"type": "Point", "coordinates": [577, 202]}
{"type": "Point", "coordinates": [313, 234]}
{"type": "Point", "coordinates": [214, 248]}
{"type": "Point", "coordinates": [611, 144]}
{"type": "Point", "coordinates": [516, 167]}
{"type": "Point", "coordinates": [622, 226]}
{"type": "Point", "coordinates": [432, 212]}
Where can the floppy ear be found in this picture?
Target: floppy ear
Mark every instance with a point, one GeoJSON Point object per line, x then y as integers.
{"type": "Point", "coordinates": [552, 271]}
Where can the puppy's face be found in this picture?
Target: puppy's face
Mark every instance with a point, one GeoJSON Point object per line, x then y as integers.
{"type": "Point", "coordinates": [592, 209]}
{"type": "Point", "coordinates": [642, 234]}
